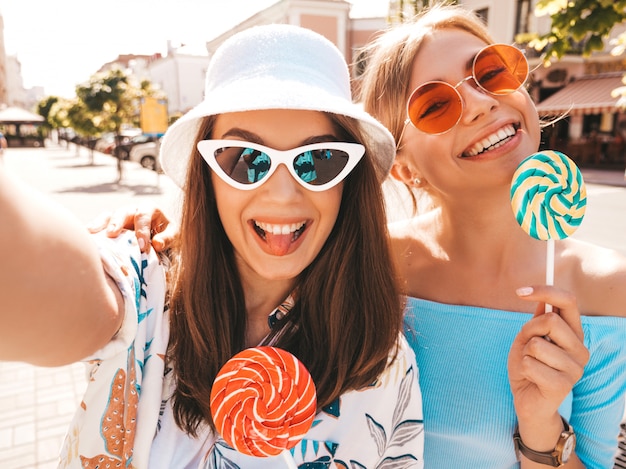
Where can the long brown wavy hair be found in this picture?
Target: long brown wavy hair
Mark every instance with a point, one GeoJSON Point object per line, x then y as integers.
{"type": "Point", "coordinates": [347, 314]}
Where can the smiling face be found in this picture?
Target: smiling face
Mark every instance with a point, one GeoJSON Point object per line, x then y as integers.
{"type": "Point", "coordinates": [278, 228]}
{"type": "Point", "coordinates": [493, 135]}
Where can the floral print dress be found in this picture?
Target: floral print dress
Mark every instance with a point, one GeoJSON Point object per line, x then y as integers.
{"type": "Point", "coordinates": [125, 418]}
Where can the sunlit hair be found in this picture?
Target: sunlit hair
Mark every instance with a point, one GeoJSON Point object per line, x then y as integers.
{"type": "Point", "coordinates": [348, 311]}
{"type": "Point", "coordinates": [385, 83]}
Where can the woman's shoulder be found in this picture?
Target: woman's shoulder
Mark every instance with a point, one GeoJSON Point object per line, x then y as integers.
{"type": "Point", "coordinates": [598, 276]}
{"type": "Point", "coordinates": [413, 237]}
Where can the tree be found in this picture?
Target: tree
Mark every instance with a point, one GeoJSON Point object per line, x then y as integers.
{"type": "Point", "coordinates": [43, 109]}
{"type": "Point", "coordinates": [106, 103]}
{"type": "Point", "coordinates": [581, 27]}
{"type": "Point", "coordinates": [54, 110]}
{"type": "Point", "coordinates": [112, 101]}
{"type": "Point", "coordinates": [83, 121]}
{"type": "Point", "coordinates": [111, 97]}
{"type": "Point", "coordinates": [57, 118]}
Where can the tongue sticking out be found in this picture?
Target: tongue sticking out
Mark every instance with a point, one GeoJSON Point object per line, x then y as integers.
{"type": "Point", "coordinates": [278, 244]}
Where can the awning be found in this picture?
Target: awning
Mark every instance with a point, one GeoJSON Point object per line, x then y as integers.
{"type": "Point", "coordinates": [587, 95]}
{"type": "Point", "coordinates": [16, 115]}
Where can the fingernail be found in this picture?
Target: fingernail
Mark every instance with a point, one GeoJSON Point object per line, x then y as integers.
{"type": "Point", "coordinates": [142, 243]}
{"type": "Point", "coordinates": [111, 228]}
{"type": "Point", "coordinates": [524, 291]}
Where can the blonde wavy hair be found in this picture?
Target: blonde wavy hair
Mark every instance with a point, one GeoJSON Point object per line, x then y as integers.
{"type": "Point", "coordinates": [385, 82]}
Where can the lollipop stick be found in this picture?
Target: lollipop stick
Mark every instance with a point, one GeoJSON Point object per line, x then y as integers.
{"type": "Point", "coordinates": [549, 269]}
{"type": "Point", "coordinates": [291, 463]}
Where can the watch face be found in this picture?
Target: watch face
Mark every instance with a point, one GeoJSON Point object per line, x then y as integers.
{"type": "Point", "coordinates": [568, 447]}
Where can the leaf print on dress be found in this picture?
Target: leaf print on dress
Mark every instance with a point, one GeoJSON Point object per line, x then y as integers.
{"type": "Point", "coordinates": [402, 431]}
{"type": "Point", "coordinates": [118, 423]}
{"type": "Point", "coordinates": [321, 463]}
{"type": "Point", "coordinates": [217, 460]}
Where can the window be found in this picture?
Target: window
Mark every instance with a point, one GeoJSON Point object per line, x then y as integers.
{"type": "Point", "coordinates": [483, 13]}
{"type": "Point", "coordinates": [359, 62]}
{"type": "Point", "coordinates": [522, 16]}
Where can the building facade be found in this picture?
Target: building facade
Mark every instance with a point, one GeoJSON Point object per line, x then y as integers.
{"type": "Point", "coordinates": [181, 77]}
{"type": "Point", "coordinates": [3, 70]}
{"type": "Point", "coordinates": [12, 91]}
{"type": "Point", "coordinates": [574, 96]}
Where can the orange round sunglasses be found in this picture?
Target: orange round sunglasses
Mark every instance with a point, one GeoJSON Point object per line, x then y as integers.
{"type": "Point", "coordinates": [435, 107]}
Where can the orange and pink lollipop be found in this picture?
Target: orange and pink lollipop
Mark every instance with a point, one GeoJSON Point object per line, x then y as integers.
{"type": "Point", "coordinates": [263, 401]}
{"type": "Point", "coordinates": [548, 198]}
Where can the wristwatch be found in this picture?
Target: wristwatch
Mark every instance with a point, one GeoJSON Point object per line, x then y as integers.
{"type": "Point", "coordinates": [555, 458]}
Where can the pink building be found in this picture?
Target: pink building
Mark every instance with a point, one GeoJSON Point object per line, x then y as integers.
{"type": "Point", "coordinates": [348, 26]}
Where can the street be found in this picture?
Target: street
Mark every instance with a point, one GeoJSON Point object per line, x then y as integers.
{"type": "Point", "coordinates": [605, 219]}
{"type": "Point", "coordinates": [89, 189]}
{"type": "Point", "coordinates": [605, 216]}
{"type": "Point", "coordinates": [37, 403]}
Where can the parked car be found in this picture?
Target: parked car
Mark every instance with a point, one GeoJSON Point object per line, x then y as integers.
{"type": "Point", "coordinates": [105, 143]}
{"type": "Point", "coordinates": [128, 143]}
{"type": "Point", "coordinates": [146, 154]}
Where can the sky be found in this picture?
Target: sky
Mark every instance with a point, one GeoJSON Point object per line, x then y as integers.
{"type": "Point", "coordinates": [61, 43]}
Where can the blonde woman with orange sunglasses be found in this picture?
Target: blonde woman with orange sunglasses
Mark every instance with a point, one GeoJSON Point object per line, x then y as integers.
{"type": "Point", "coordinates": [496, 392]}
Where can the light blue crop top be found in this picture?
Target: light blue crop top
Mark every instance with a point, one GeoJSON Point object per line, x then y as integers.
{"type": "Point", "coordinates": [469, 417]}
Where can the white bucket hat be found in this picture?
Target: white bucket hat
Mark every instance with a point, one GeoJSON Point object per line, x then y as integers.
{"type": "Point", "coordinates": [274, 66]}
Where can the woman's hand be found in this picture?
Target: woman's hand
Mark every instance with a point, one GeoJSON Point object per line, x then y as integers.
{"type": "Point", "coordinates": [546, 360]}
{"type": "Point", "coordinates": [151, 226]}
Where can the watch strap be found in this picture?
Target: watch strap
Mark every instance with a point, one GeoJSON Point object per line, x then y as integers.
{"type": "Point", "coordinates": [552, 458]}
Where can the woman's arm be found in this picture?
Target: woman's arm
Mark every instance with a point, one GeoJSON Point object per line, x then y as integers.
{"type": "Point", "coordinates": [56, 303]}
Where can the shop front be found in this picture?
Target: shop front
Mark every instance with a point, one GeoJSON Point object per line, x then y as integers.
{"type": "Point", "coordinates": [588, 121]}
{"type": "Point", "coordinates": [22, 128]}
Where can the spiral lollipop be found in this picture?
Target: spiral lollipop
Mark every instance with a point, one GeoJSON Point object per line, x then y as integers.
{"type": "Point", "coordinates": [548, 198]}
{"type": "Point", "coordinates": [263, 401]}
{"type": "Point", "coordinates": [548, 195]}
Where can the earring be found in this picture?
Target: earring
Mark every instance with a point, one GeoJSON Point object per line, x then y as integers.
{"type": "Point", "coordinates": [417, 181]}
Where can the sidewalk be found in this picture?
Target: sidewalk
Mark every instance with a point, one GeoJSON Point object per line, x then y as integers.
{"type": "Point", "coordinates": [37, 404]}
{"type": "Point", "coordinates": [604, 177]}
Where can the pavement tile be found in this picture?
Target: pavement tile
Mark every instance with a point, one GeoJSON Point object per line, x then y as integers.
{"type": "Point", "coordinates": [24, 434]}
{"type": "Point", "coordinates": [19, 457]}
{"type": "Point", "coordinates": [48, 450]}
{"type": "Point", "coordinates": [6, 438]}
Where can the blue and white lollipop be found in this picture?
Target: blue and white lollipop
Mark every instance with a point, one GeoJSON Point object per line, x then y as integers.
{"type": "Point", "coordinates": [548, 198]}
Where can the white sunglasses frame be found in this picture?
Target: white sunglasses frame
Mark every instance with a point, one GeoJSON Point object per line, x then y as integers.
{"type": "Point", "coordinates": [207, 149]}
